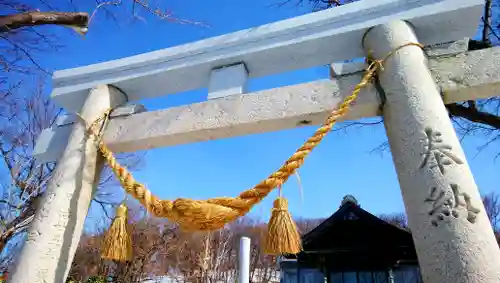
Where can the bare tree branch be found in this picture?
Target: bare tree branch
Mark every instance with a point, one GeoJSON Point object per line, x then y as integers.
{"type": "Point", "coordinates": [473, 115]}
{"type": "Point", "coordinates": [29, 19]}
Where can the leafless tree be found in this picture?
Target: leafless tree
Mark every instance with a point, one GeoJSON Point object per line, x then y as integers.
{"type": "Point", "coordinates": [491, 203]}
{"type": "Point", "coordinates": [153, 244]}
{"type": "Point", "coordinates": [306, 225]}
{"type": "Point", "coordinates": [151, 241]}
{"type": "Point", "coordinates": [316, 5]}
{"type": "Point", "coordinates": [25, 109]}
{"type": "Point", "coordinates": [396, 219]}
{"type": "Point", "coordinates": [217, 253]}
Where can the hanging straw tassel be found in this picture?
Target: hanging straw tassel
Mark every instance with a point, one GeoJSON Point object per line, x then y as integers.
{"type": "Point", "coordinates": [282, 235]}
{"type": "Point", "coordinates": [117, 242]}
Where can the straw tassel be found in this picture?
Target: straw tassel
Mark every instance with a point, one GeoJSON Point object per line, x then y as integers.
{"type": "Point", "coordinates": [282, 235]}
{"type": "Point", "coordinates": [117, 242]}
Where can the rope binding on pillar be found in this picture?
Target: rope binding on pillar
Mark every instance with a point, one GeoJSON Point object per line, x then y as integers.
{"type": "Point", "coordinates": [214, 213]}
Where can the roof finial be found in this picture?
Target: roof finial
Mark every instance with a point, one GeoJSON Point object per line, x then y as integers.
{"type": "Point", "coordinates": [349, 199]}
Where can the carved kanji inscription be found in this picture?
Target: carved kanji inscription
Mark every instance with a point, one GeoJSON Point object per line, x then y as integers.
{"type": "Point", "coordinates": [436, 152]}
{"type": "Point", "coordinates": [447, 203]}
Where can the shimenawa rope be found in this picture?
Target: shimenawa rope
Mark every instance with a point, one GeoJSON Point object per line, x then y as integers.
{"type": "Point", "coordinates": [214, 213]}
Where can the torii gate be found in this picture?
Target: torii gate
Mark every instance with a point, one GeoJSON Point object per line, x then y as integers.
{"type": "Point", "coordinates": [453, 246]}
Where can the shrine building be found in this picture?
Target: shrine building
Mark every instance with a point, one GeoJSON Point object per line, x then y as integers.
{"type": "Point", "coordinates": [353, 246]}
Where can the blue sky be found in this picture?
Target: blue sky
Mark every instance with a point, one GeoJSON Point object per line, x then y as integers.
{"type": "Point", "coordinates": [342, 164]}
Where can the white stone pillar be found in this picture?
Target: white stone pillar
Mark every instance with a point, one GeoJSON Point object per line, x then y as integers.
{"type": "Point", "coordinates": [451, 231]}
{"type": "Point", "coordinates": [56, 229]}
{"type": "Point", "coordinates": [244, 260]}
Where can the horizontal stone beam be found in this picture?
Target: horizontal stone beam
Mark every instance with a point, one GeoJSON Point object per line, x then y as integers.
{"type": "Point", "coordinates": [468, 76]}
{"type": "Point", "coordinates": [264, 111]}
{"type": "Point", "coordinates": [315, 39]}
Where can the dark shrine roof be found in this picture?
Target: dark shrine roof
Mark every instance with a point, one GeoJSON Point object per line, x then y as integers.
{"type": "Point", "coordinates": [352, 235]}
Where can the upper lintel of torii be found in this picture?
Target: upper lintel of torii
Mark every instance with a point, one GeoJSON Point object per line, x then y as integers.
{"type": "Point", "coordinates": [311, 40]}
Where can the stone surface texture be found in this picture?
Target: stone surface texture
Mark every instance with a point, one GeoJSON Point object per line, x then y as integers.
{"type": "Point", "coordinates": [56, 229]}
{"type": "Point", "coordinates": [452, 233]}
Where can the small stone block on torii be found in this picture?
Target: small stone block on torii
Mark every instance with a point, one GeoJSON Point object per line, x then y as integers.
{"type": "Point", "coordinates": [227, 81]}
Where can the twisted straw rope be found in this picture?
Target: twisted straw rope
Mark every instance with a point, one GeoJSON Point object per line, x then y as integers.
{"type": "Point", "coordinates": [214, 213]}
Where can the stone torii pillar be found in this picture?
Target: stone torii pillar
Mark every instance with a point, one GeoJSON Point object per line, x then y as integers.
{"type": "Point", "coordinates": [58, 224]}
{"type": "Point", "coordinates": [452, 234]}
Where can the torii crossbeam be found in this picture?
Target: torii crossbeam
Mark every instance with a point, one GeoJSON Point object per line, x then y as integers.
{"type": "Point", "coordinates": [452, 234]}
